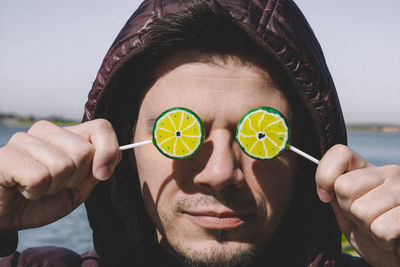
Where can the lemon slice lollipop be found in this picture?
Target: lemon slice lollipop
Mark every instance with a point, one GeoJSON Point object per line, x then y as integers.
{"type": "Point", "coordinates": [178, 133]}
{"type": "Point", "coordinates": [263, 133]}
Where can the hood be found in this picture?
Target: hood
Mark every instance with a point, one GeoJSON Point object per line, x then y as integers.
{"type": "Point", "coordinates": [121, 227]}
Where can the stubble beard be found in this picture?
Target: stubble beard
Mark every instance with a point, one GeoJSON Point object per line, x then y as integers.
{"type": "Point", "coordinates": [216, 255]}
{"type": "Point", "coordinates": [219, 254]}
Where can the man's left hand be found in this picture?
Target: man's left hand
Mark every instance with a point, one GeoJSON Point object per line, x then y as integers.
{"type": "Point", "coordinates": [366, 201]}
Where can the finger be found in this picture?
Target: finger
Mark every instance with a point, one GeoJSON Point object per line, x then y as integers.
{"type": "Point", "coordinates": [376, 201]}
{"type": "Point", "coordinates": [79, 149]}
{"type": "Point", "coordinates": [361, 242]}
{"type": "Point", "coordinates": [336, 161]}
{"type": "Point", "coordinates": [17, 168]}
{"type": "Point", "coordinates": [59, 165]}
{"type": "Point", "coordinates": [350, 186]}
{"type": "Point", "coordinates": [386, 229]}
{"type": "Point", "coordinates": [106, 150]}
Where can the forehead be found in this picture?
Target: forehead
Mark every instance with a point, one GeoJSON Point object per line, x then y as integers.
{"type": "Point", "coordinates": [224, 86]}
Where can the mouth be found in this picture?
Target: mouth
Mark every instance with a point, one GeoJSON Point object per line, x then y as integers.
{"type": "Point", "coordinates": [218, 221]}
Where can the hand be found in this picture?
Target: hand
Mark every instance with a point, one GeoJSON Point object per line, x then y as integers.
{"type": "Point", "coordinates": [49, 171]}
{"type": "Point", "coordinates": [366, 202]}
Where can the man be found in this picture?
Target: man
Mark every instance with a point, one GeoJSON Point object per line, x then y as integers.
{"type": "Point", "coordinates": [219, 207]}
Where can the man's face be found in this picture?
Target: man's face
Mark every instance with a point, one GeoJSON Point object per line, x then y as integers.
{"type": "Point", "coordinates": [218, 204]}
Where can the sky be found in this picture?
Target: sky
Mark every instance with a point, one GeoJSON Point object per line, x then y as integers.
{"type": "Point", "coordinates": [50, 52]}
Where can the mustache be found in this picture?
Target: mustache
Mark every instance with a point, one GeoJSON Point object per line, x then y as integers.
{"type": "Point", "coordinates": [229, 200]}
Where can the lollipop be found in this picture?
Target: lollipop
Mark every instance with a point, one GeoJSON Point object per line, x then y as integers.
{"type": "Point", "coordinates": [177, 133]}
{"type": "Point", "coordinates": [263, 133]}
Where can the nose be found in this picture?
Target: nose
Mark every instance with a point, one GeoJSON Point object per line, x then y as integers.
{"type": "Point", "coordinates": [222, 169]}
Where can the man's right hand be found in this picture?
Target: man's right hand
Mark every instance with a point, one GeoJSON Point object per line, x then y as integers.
{"type": "Point", "coordinates": [49, 171]}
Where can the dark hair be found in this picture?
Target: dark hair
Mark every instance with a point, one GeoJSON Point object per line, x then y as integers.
{"type": "Point", "coordinates": [208, 27]}
{"type": "Point", "coordinates": [205, 26]}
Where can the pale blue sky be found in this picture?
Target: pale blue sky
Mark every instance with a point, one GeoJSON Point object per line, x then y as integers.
{"type": "Point", "coordinates": [51, 50]}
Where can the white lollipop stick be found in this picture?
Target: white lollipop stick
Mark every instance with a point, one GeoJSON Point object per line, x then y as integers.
{"type": "Point", "coordinates": [305, 155]}
{"type": "Point", "coordinates": [125, 147]}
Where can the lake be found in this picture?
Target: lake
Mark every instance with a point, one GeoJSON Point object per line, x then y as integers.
{"type": "Point", "coordinates": [74, 232]}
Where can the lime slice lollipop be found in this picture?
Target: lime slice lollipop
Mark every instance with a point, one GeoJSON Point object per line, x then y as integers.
{"type": "Point", "coordinates": [263, 133]}
{"type": "Point", "coordinates": [178, 133]}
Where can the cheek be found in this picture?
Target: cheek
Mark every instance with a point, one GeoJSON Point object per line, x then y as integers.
{"type": "Point", "coordinates": [274, 182]}
{"type": "Point", "coordinates": [154, 170]}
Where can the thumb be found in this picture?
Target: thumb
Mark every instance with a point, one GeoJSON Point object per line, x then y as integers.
{"type": "Point", "coordinates": [336, 161]}
{"type": "Point", "coordinates": [101, 135]}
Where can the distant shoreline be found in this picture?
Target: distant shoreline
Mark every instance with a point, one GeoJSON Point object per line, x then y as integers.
{"type": "Point", "coordinates": [374, 128]}
{"type": "Point", "coordinates": [26, 122]}
{"type": "Point", "coordinates": [12, 121]}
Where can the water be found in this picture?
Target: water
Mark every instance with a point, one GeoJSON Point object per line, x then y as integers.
{"type": "Point", "coordinates": [377, 148]}
{"type": "Point", "coordinates": [73, 231]}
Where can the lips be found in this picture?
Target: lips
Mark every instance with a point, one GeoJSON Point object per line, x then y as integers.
{"type": "Point", "coordinates": [218, 221]}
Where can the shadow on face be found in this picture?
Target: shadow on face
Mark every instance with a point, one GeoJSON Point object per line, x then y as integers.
{"type": "Point", "coordinates": [273, 177]}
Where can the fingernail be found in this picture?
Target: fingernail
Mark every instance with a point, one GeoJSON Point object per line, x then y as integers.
{"type": "Point", "coordinates": [27, 195]}
{"type": "Point", "coordinates": [324, 195]}
{"type": "Point", "coordinates": [103, 173]}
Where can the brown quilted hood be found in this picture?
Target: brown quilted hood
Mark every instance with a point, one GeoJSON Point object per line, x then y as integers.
{"type": "Point", "coordinates": [122, 231]}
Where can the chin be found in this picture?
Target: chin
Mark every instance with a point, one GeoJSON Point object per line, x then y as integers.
{"type": "Point", "coordinates": [215, 252]}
